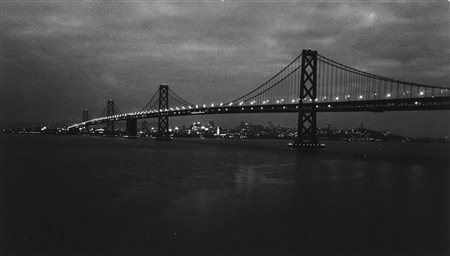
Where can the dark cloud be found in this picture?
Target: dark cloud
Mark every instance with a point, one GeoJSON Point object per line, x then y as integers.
{"type": "Point", "coordinates": [61, 57]}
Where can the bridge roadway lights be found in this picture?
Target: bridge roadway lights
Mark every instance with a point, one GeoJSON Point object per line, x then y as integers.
{"type": "Point", "coordinates": [131, 131]}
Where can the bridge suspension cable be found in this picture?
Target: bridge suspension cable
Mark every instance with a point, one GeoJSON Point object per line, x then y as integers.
{"type": "Point", "coordinates": [174, 101]}
{"type": "Point", "coordinates": [335, 82]}
{"type": "Point", "coordinates": [103, 113]}
{"type": "Point", "coordinates": [151, 103]}
{"type": "Point", "coordinates": [282, 87]}
{"type": "Point", "coordinates": [117, 110]}
{"type": "Point", "coordinates": [339, 82]}
{"type": "Point", "coordinates": [178, 99]}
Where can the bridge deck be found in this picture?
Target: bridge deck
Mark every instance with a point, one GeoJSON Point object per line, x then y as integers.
{"type": "Point", "coordinates": [435, 103]}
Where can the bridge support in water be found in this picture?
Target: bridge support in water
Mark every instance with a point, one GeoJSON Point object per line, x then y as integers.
{"type": "Point", "coordinates": [307, 121]}
{"type": "Point", "coordinates": [131, 126]}
{"type": "Point", "coordinates": [163, 119]}
{"type": "Point", "coordinates": [110, 124]}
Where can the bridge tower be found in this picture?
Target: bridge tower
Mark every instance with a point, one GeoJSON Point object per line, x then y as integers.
{"type": "Point", "coordinates": [163, 119]}
{"type": "Point", "coordinates": [85, 118]}
{"type": "Point", "coordinates": [307, 121]}
{"type": "Point", "coordinates": [110, 112]}
{"type": "Point", "coordinates": [85, 115]}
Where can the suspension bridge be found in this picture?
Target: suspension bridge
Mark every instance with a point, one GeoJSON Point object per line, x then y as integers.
{"type": "Point", "coordinates": [311, 83]}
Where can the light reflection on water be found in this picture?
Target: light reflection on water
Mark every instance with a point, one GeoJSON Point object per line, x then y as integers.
{"type": "Point", "coordinates": [208, 196]}
{"type": "Point", "coordinates": [262, 174]}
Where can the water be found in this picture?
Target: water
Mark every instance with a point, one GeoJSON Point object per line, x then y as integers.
{"type": "Point", "coordinates": [94, 195]}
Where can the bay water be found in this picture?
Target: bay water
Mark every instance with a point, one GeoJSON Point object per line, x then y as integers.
{"type": "Point", "coordinates": [114, 196]}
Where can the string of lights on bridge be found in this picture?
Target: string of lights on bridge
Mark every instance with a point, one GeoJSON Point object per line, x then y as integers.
{"type": "Point", "coordinates": [335, 83]}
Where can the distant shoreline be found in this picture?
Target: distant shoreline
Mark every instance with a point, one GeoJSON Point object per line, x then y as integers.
{"type": "Point", "coordinates": [410, 140]}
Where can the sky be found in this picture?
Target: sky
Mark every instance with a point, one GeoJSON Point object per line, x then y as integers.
{"type": "Point", "coordinates": [59, 57]}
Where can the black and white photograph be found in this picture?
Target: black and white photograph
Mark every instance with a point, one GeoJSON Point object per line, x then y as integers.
{"type": "Point", "coordinates": [224, 127]}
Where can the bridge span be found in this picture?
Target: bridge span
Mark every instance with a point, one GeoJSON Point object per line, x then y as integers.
{"type": "Point", "coordinates": [310, 84]}
{"type": "Point", "coordinates": [438, 103]}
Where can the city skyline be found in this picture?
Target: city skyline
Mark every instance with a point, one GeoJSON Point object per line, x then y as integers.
{"type": "Point", "coordinates": [150, 127]}
{"type": "Point", "coordinates": [59, 58]}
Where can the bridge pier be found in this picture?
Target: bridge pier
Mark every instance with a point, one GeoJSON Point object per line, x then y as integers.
{"type": "Point", "coordinates": [163, 119]}
{"type": "Point", "coordinates": [307, 121]}
{"type": "Point", "coordinates": [131, 126]}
